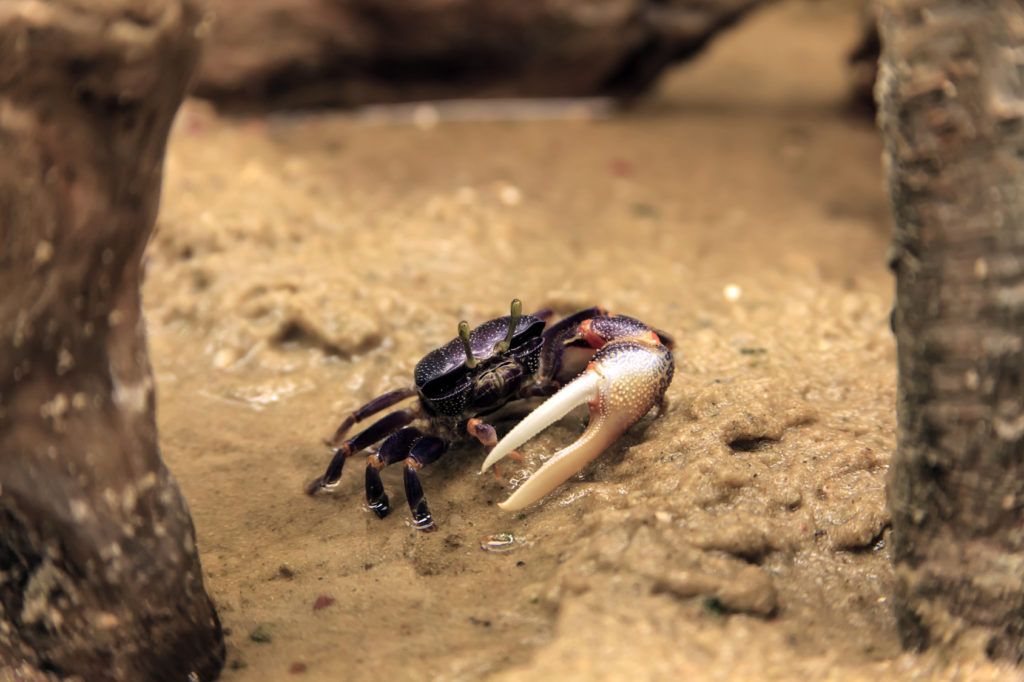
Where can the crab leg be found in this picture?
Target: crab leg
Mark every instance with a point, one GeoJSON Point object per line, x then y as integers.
{"type": "Point", "coordinates": [381, 402]}
{"type": "Point", "coordinates": [623, 381]}
{"type": "Point", "coordinates": [395, 448]}
{"type": "Point", "coordinates": [423, 452]}
{"type": "Point", "coordinates": [381, 428]}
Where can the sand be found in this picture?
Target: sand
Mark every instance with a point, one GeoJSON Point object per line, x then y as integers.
{"type": "Point", "coordinates": [304, 263]}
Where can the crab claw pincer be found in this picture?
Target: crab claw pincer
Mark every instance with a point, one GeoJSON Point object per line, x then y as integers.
{"type": "Point", "coordinates": [623, 381]}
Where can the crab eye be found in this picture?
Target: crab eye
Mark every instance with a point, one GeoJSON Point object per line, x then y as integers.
{"type": "Point", "coordinates": [513, 322]}
{"type": "Point", "coordinates": [464, 337]}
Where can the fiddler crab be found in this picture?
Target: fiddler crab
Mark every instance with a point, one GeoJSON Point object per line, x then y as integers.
{"type": "Point", "coordinates": [617, 365]}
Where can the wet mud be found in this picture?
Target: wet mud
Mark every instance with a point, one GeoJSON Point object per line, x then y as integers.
{"type": "Point", "coordinates": [303, 264]}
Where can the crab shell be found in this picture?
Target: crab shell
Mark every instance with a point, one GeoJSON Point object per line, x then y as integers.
{"type": "Point", "coordinates": [446, 383]}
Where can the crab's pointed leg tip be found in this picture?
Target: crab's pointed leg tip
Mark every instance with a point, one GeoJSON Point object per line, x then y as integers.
{"type": "Point", "coordinates": [583, 389]}
{"type": "Point", "coordinates": [314, 486]}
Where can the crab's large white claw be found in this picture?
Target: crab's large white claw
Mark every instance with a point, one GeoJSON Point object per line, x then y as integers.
{"type": "Point", "coordinates": [622, 382]}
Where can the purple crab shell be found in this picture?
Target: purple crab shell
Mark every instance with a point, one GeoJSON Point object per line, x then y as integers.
{"type": "Point", "coordinates": [452, 356]}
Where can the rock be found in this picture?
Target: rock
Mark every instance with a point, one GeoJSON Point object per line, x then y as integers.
{"type": "Point", "coordinates": [99, 574]}
{"type": "Point", "coordinates": [864, 61]}
{"type": "Point", "coordinates": [302, 53]}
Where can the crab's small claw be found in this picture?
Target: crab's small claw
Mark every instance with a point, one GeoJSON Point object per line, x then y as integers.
{"type": "Point", "coordinates": [624, 380]}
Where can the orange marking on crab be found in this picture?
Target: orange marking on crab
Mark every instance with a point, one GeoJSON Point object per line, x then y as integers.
{"type": "Point", "coordinates": [587, 333]}
{"type": "Point", "coordinates": [473, 426]}
{"type": "Point", "coordinates": [497, 468]}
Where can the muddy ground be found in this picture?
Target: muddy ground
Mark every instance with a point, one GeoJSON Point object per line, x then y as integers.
{"type": "Point", "coordinates": [304, 263]}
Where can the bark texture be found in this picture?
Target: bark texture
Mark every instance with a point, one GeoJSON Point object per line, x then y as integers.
{"type": "Point", "coordinates": [99, 575]}
{"type": "Point", "coordinates": [951, 108]}
{"type": "Point", "coordinates": [302, 53]}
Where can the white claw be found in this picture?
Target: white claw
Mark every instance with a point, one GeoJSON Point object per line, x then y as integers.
{"type": "Point", "coordinates": [583, 389]}
{"type": "Point", "coordinates": [602, 430]}
{"type": "Point", "coordinates": [620, 385]}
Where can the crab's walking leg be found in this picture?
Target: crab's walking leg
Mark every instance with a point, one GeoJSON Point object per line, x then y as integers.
{"type": "Point", "coordinates": [394, 449]}
{"type": "Point", "coordinates": [426, 450]}
{"type": "Point", "coordinates": [544, 314]}
{"type": "Point", "coordinates": [381, 428]}
{"type": "Point", "coordinates": [556, 338]}
{"type": "Point", "coordinates": [381, 402]}
{"type": "Point", "coordinates": [625, 378]}
{"type": "Point", "coordinates": [488, 437]}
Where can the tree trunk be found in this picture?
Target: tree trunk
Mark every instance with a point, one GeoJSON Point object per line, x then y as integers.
{"type": "Point", "coordinates": [951, 108]}
{"type": "Point", "coordinates": [99, 575]}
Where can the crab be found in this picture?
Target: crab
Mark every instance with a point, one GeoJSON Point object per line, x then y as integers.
{"type": "Point", "coordinates": [617, 365]}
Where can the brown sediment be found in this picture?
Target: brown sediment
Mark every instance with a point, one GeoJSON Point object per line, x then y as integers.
{"type": "Point", "coordinates": [740, 533]}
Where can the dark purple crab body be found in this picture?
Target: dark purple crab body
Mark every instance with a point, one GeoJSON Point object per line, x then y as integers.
{"type": "Point", "coordinates": [509, 358]}
{"type": "Point", "coordinates": [448, 387]}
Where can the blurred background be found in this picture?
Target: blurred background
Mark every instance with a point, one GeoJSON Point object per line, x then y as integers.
{"type": "Point", "coordinates": [280, 54]}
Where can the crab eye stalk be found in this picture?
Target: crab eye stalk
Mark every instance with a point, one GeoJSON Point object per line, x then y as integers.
{"type": "Point", "coordinates": [517, 312]}
{"type": "Point", "coordinates": [464, 335]}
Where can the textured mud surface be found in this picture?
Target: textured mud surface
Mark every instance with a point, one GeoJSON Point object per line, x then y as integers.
{"type": "Point", "coordinates": [303, 266]}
